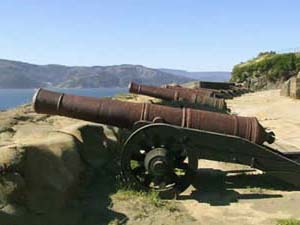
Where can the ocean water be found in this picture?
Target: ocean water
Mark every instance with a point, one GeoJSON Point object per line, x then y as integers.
{"type": "Point", "coordinates": [10, 98]}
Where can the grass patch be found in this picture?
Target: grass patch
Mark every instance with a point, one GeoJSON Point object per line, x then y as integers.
{"type": "Point", "coordinates": [256, 190]}
{"type": "Point", "coordinates": [290, 221]}
{"type": "Point", "coordinates": [149, 198]}
{"type": "Point", "coordinates": [125, 96]}
{"type": "Point", "coordinates": [115, 222]}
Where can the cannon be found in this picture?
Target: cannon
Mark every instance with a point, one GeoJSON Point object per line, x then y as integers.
{"type": "Point", "coordinates": [240, 89]}
{"type": "Point", "coordinates": [203, 91]}
{"type": "Point", "coordinates": [227, 88]}
{"type": "Point", "coordinates": [215, 85]}
{"type": "Point", "coordinates": [165, 143]}
{"type": "Point", "coordinates": [204, 100]}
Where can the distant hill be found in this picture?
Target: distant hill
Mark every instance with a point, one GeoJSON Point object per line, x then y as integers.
{"type": "Point", "coordinates": [14, 74]}
{"type": "Point", "coordinates": [207, 76]}
{"type": "Point", "coordinates": [267, 70]}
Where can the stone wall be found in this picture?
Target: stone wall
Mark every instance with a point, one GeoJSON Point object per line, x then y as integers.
{"type": "Point", "coordinates": [291, 87]}
{"type": "Point", "coordinates": [295, 87]}
{"type": "Point", "coordinates": [285, 89]}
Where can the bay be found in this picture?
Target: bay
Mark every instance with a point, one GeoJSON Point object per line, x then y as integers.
{"type": "Point", "coordinates": [11, 98]}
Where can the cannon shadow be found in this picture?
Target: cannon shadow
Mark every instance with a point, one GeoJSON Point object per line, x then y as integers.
{"type": "Point", "coordinates": [101, 182]}
{"type": "Point", "coordinates": [92, 207]}
{"type": "Point", "coordinates": [218, 188]}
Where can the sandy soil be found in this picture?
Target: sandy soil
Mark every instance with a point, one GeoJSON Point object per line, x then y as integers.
{"type": "Point", "coordinates": [278, 113]}
{"type": "Point", "coordinates": [251, 198]}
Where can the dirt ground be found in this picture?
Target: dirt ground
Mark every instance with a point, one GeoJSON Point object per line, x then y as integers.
{"type": "Point", "coordinates": [278, 113]}
{"type": "Point", "coordinates": [251, 198]}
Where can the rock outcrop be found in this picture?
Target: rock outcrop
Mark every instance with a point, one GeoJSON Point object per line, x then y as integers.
{"type": "Point", "coordinates": [42, 159]}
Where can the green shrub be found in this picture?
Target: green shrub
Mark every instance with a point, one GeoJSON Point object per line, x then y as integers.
{"type": "Point", "coordinates": [297, 62]}
{"type": "Point", "coordinates": [269, 64]}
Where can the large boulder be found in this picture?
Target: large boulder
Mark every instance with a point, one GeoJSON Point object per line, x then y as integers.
{"type": "Point", "coordinates": [51, 171]}
{"type": "Point", "coordinates": [42, 170]}
{"type": "Point", "coordinates": [42, 160]}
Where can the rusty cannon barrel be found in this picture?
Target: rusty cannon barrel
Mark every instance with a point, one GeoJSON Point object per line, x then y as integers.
{"type": "Point", "coordinates": [203, 91]}
{"type": "Point", "coordinates": [179, 95]}
{"type": "Point", "coordinates": [126, 114]}
{"type": "Point", "coordinates": [215, 85]}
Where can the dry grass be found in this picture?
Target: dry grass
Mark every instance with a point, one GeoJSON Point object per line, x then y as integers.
{"type": "Point", "coordinates": [290, 221]}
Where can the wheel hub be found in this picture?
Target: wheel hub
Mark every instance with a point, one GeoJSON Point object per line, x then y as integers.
{"type": "Point", "coordinates": [157, 163]}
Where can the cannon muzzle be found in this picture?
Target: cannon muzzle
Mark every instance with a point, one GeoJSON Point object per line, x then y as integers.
{"type": "Point", "coordinates": [126, 114]}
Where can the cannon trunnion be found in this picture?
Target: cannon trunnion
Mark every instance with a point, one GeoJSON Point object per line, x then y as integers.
{"type": "Point", "coordinates": [166, 143]}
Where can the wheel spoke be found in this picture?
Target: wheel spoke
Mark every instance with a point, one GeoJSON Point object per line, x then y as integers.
{"type": "Point", "coordinates": [147, 141]}
{"type": "Point", "coordinates": [159, 182]}
{"type": "Point", "coordinates": [138, 171]}
{"type": "Point", "coordinates": [147, 180]}
{"type": "Point", "coordinates": [182, 165]}
{"type": "Point", "coordinates": [138, 156]}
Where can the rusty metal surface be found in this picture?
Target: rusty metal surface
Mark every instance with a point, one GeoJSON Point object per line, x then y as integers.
{"type": "Point", "coordinates": [201, 91]}
{"type": "Point", "coordinates": [125, 114]}
{"type": "Point", "coordinates": [215, 85]}
{"type": "Point", "coordinates": [178, 94]}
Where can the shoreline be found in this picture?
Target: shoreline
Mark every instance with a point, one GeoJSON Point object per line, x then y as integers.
{"type": "Point", "coordinates": [12, 98]}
